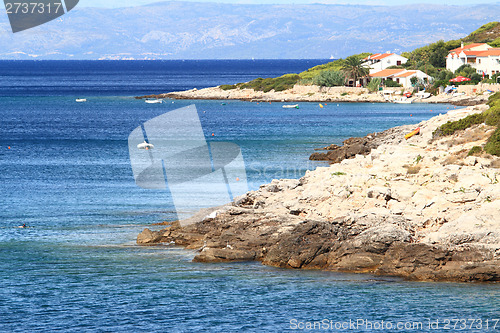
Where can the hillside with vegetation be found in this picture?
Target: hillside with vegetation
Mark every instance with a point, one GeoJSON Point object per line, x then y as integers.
{"type": "Point", "coordinates": [430, 59]}
{"type": "Point", "coordinates": [490, 117]}
{"type": "Point", "coordinates": [330, 74]}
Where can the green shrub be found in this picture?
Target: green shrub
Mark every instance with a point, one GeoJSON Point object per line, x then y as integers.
{"type": "Point", "coordinates": [476, 150]}
{"type": "Point", "coordinates": [329, 79]}
{"type": "Point", "coordinates": [391, 83]}
{"type": "Point", "coordinates": [493, 116]}
{"type": "Point", "coordinates": [374, 84]}
{"type": "Point", "coordinates": [493, 145]}
{"type": "Point", "coordinates": [335, 65]}
{"type": "Point", "coordinates": [495, 43]}
{"type": "Point", "coordinates": [452, 126]}
{"type": "Point", "coordinates": [494, 98]}
{"type": "Point", "coordinates": [433, 90]}
{"type": "Point", "coordinates": [490, 117]}
{"type": "Point", "coordinates": [227, 86]}
{"type": "Point", "coordinates": [281, 83]}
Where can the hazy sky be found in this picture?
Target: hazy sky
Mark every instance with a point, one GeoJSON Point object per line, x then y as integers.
{"type": "Point", "coordinates": [126, 3]}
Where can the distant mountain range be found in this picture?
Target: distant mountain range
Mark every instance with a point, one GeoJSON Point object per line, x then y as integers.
{"type": "Point", "coordinates": [187, 30]}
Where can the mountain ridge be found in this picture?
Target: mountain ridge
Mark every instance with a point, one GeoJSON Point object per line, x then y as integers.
{"type": "Point", "coordinates": [187, 30]}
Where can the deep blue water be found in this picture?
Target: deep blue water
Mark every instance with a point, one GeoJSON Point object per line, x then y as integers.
{"type": "Point", "coordinates": [67, 174]}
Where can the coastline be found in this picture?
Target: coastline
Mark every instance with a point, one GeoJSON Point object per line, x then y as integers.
{"type": "Point", "coordinates": [301, 93]}
{"type": "Point", "coordinates": [416, 208]}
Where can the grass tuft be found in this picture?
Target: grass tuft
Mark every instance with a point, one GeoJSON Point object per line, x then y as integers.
{"type": "Point", "coordinates": [476, 150]}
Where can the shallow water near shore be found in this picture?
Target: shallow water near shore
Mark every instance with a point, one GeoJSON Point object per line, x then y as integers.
{"type": "Point", "coordinates": [67, 174]}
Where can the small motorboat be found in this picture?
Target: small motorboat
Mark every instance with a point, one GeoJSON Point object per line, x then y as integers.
{"type": "Point", "coordinates": [294, 106]}
{"type": "Point", "coordinates": [402, 100]}
{"type": "Point", "coordinates": [81, 100]}
{"type": "Point", "coordinates": [422, 95]}
{"type": "Point", "coordinates": [145, 145]}
{"type": "Point", "coordinates": [154, 101]}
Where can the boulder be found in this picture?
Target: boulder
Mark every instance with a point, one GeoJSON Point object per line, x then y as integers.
{"type": "Point", "coordinates": [148, 237]}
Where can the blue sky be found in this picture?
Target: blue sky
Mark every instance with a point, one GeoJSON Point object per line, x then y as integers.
{"type": "Point", "coordinates": [126, 3]}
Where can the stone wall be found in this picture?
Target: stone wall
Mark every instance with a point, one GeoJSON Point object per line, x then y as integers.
{"type": "Point", "coordinates": [299, 89]}
{"type": "Point", "coordinates": [479, 88]}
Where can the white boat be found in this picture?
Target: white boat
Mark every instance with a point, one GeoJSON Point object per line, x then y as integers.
{"type": "Point", "coordinates": [81, 100]}
{"type": "Point", "coordinates": [294, 106]}
{"type": "Point", "coordinates": [154, 101]}
{"type": "Point", "coordinates": [402, 100]}
{"type": "Point", "coordinates": [387, 94]}
{"type": "Point", "coordinates": [423, 95]}
{"type": "Point", "coordinates": [145, 145]}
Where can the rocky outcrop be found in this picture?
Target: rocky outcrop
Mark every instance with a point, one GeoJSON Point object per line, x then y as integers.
{"type": "Point", "coordinates": [360, 146]}
{"type": "Point", "coordinates": [148, 237]}
{"type": "Point", "coordinates": [417, 208]}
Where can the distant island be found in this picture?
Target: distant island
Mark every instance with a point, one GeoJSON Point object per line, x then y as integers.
{"type": "Point", "coordinates": [191, 30]}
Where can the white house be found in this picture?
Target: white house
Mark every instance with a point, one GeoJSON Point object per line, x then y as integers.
{"type": "Point", "coordinates": [380, 61]}
{"type": "Point", "coordinates": [488, 62]}
{"type": "Point", "coordinates": [401, 76]}
{"type": "Point", "coordinates": [479, 56]}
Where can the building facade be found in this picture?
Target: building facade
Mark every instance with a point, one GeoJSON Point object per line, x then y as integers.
{"type": "Point", "coordinates": [401, 76]}
{"type": "Point", "coordinates": [380, 61]}
{"type": "Point", "coordinates": [480, 56]}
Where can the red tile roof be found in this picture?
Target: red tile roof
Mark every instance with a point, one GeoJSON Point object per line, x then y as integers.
{"type": "Point", "coordinates": [471, 53]}
{"type": "Point", "coordinates": [490, 52]}
{"type": "Point", "coordinates": [379, 56]}
{"type": "Point", "coordinates": [371, 56]}
{"type": "Point", "coordinates": [406, 74]}
{"type": "Point", "coordinates": [387, 72]}
{"type": "Point", "coordinates": [466, 47]}
{"type": "Point", "coordinates": [382, 56]}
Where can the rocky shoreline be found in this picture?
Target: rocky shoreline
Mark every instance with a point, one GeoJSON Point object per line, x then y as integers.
{"type": "Point", "coordinates": [418, 208]}
{"type": "Point", "coordinates": [318, 94]}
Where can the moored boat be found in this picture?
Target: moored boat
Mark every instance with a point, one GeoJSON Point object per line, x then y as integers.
{"type": "Point", "coordinates": [294, 106]}
{"type": "Point", "coordinates": [422, 95]}
{"type": "Point", "coordinates": [153, 101]}
{"type": "Point", "coordinates": [402, 100]}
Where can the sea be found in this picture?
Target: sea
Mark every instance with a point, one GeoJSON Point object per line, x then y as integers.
{"type": "Point", "coordinates": [65, 171]}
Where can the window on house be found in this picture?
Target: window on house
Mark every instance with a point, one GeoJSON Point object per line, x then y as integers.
{"type": "Point", "coordinates": [478, 61]}
{"type": "Point", "coordinates": [398, 62]}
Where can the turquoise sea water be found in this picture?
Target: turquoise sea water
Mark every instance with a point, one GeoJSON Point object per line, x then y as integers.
{"type": "Point", "coordinates": [68, 175]}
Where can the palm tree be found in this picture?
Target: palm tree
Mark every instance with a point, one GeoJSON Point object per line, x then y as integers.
{"type": "Point", "coordinates": [353, 68]}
